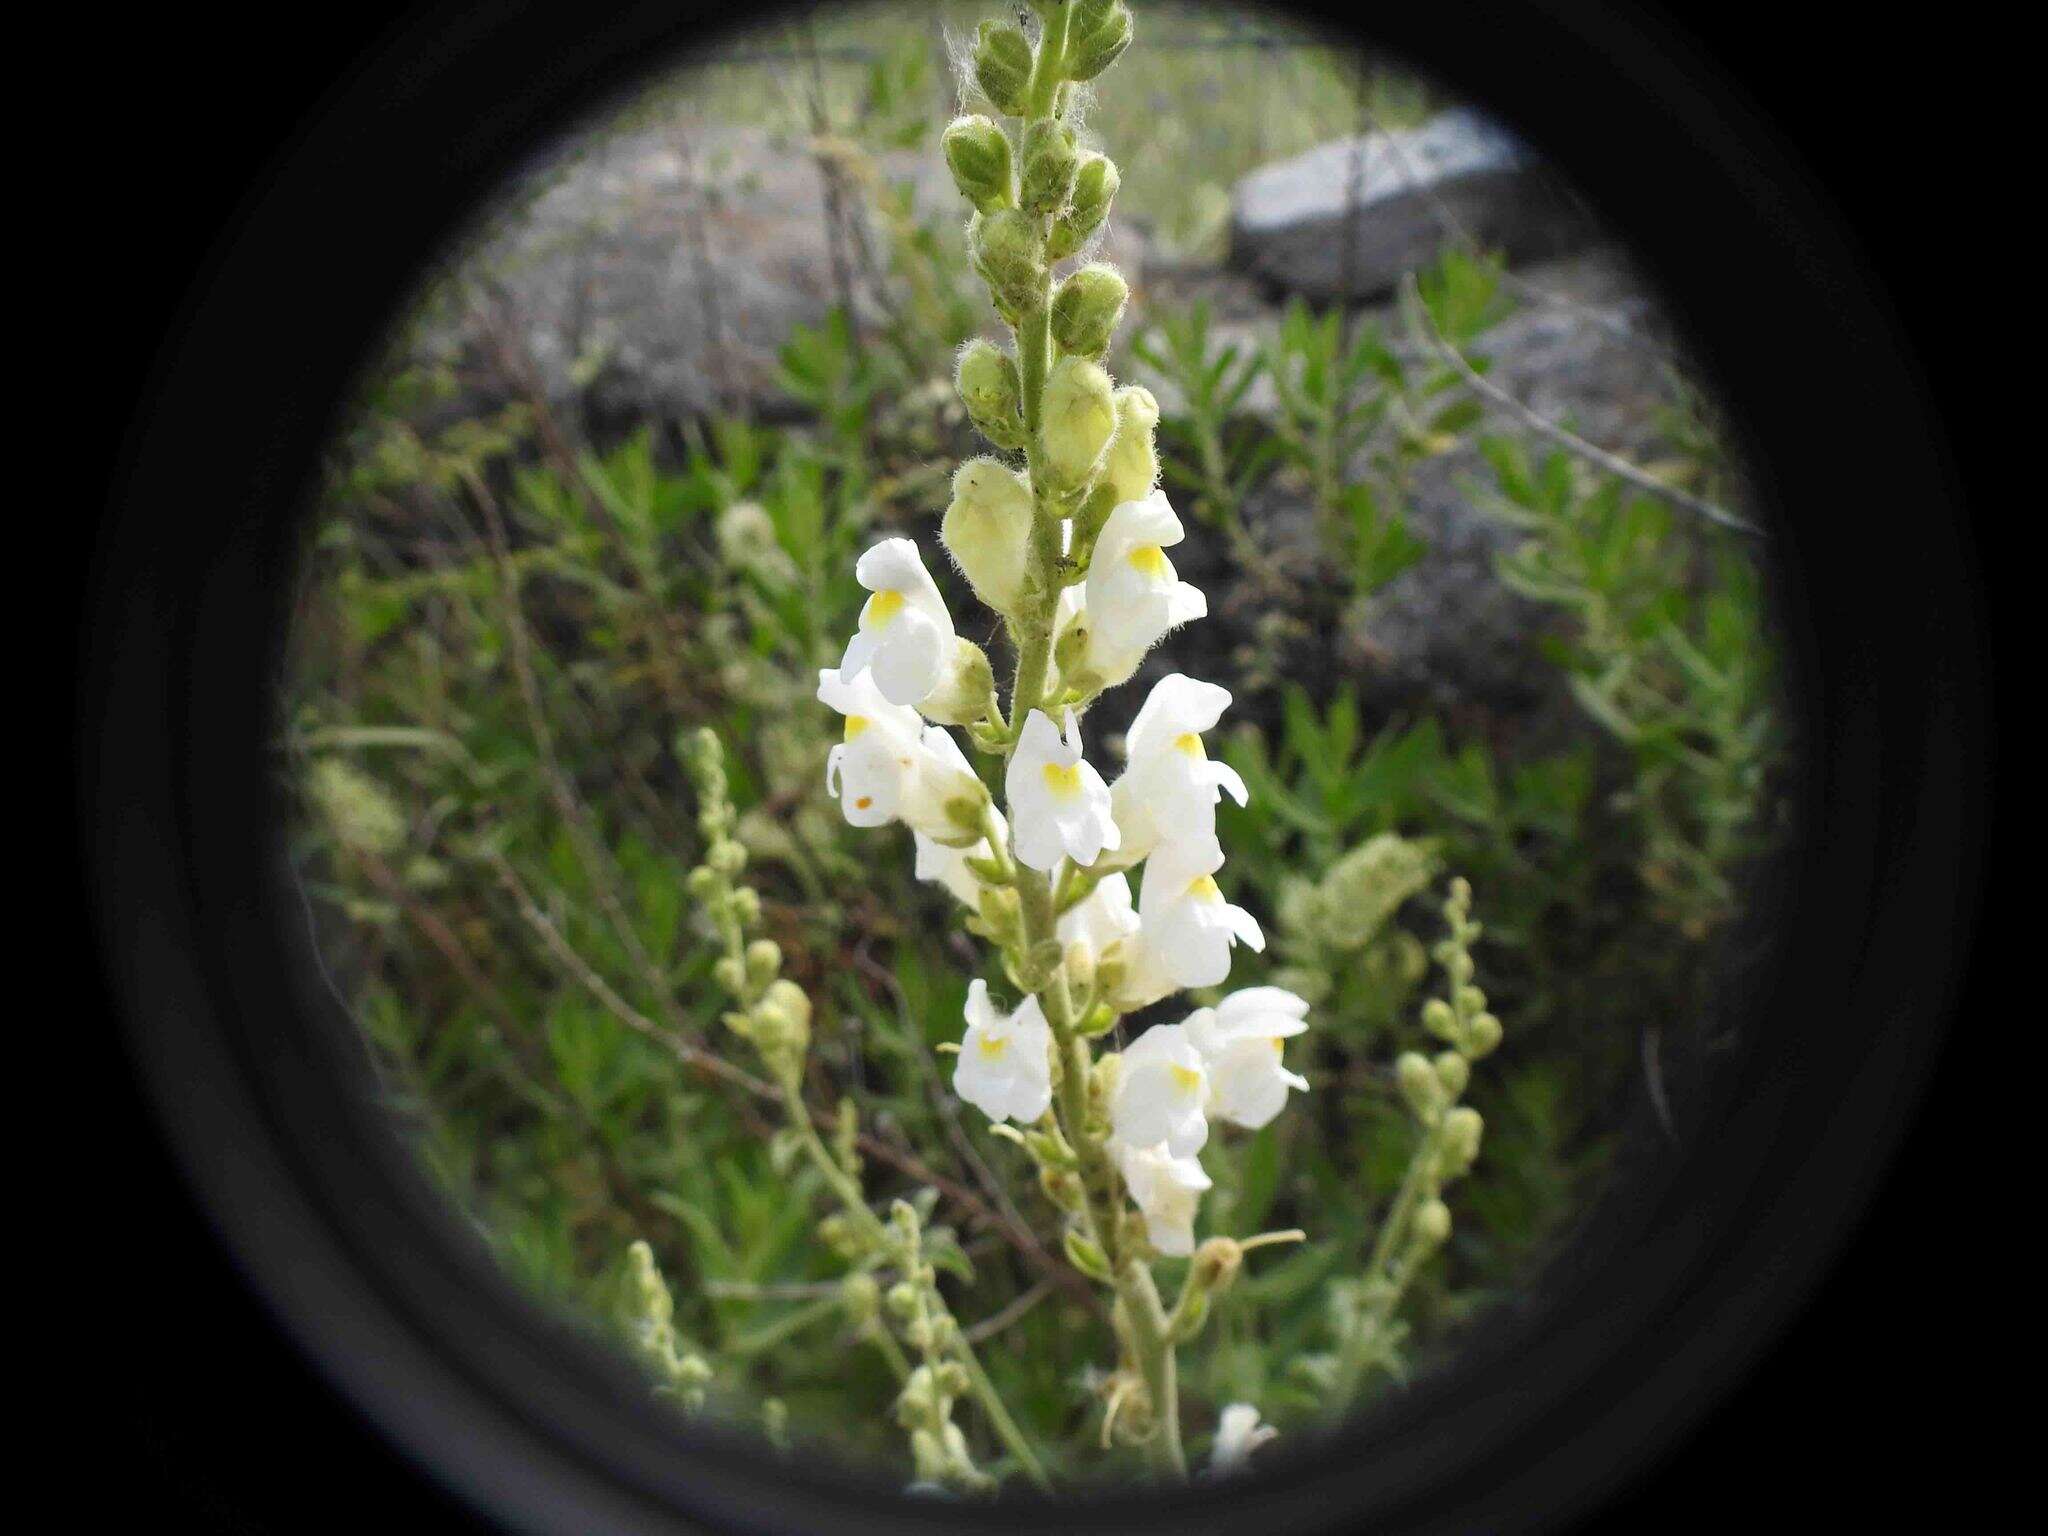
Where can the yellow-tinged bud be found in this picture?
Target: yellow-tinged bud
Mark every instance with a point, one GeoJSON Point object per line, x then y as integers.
{"type": "Point", "coordinates": [1432, 1222]}
{"type": "Point", "coordinates": [1463, 1129]}
{"type": "Point", "coordinates": [978, 153]}
{"type": "Point", "coordinates": [1482, 1035]}
{"type": "Point", "coordinates": [1419, 1085]}
{"type": "Point", "coordinates": [1133, 467]}
{"type": "Point", "coordinates": [965, 688]}
{"type": "Point", "coordinates": [987, 530]}
{"type": "Point", "coordinates": [1216, 1263]}
{"type": "Point", "coordinates": [1453, 1071]}
{"type": "Point", "coordinates": [1086, 308]}
{"type": "Point", "coordinates": [990, 389]}
{"type": "Point", "coordinates": [764, 961]}
{"type": "Point", "coordinates": [782, 1019]}
{"type": "Point", "coordinates": [861, 1296]}
{"type": "Point", "coordinates": [1051, 159]}
{"type": "Point", "coordinates": [1077, 418]}
{"type": "Point", "coordinates": [1096, 38]}
{"type": "Point", "coordinates": [1096, 180]}
{"type": "Point", "coordinates": [1010, 257]}
{"type": "Point", "coordinates": [1002, 66]}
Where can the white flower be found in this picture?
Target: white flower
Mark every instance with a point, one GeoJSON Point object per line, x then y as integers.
{"type": "Point", "coordinates": [1100, 920]}
{"type": "Point", "coordinates": [891, 766]}
{"type": "Point", "coordinates": [1184, 916]}
{"type": "Point", "coordinates": [1133, 595]}
{"type": "Point", "coordinates": [1238, 1434]}
{"type": "Point", "coordinates": [905, 633]}
{"type": "Point", "coordinates": [1142, 977]}
{"type": "Point", "coordinates": [1169, 789]}
{"type": "Point", "coordinates": [1059, 800]}
{"type": "Point", "coordinates": [1161, 1088]}
{"type": "Point", "coordinates": [947, 866]}
{"type": "Point", "coordinates": [1168, 1190]}
{"type": "Point", "coordinates": [1240, 1041]}
{"type": "Point", "coordinates": [1004, 1069]}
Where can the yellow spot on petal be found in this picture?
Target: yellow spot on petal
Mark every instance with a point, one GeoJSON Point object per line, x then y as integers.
{"type": "Point", "coordinates": [855, 724]}
{"type": "Point", "coordinates": [1187, 1079]}
{"type": "Point", "coordinates": [1063, 779]}
{"type": "Point", "coordinates": [863, 802]}
{"type": "Point", "coordinates": [992, 1046]}
{"type": "Point", "coordinates": [1203, 888]}
{"type": "Point", "coordinates": [881, 608]}
{"type": "Point", "coordinates": [1279, 1044]}
{"type": "Point", "coordinates": [1189, 743]}
{"type": "Point", "coordinates": [1148, 559]}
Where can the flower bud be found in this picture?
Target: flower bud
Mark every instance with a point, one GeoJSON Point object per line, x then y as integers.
{"type": "Point", "coordinates": [1077, 417]}
{"type": "Point", "coordinates": [1086, 309]}
{"type": "Point", "coordinates": [1439, 1020]}
{"type": "Point", "coordinates": [1482, 1035]}
{"type": "Point", "coordinates": [978, 153]}
{"type": "Point", "coordinates": [1095, 186]}
{"type": "Point", "coordinates": [990, 389]}
{"type": "Point", "coordinates": [1453, 1071]}
{"type": "Point", "coordinates": [1010, 258]}
{"type": "Point", "coordinates": [987, 530]}
{"type": "Point", "coordinates": [1463, 1128]}
{"type": "Point", "coordinates": [1133, 467]}
{"type": "Point", "coordinates": [1432, 1222]}
{"type": "Point", "coordinates": [965, 688]}
{"type": "Point", "coordinates": [1051, 159]}
{"type": "Point", "coordinates": [903, 1298]}
{"type": "Point", "coordinates": [1002, 66]}
{"type": "Point", "coordinates": [1216, 1263]}
{"type": "Point", "coordinates": [727, 857]}
{"type": "Point", "coordinates": [1096, 38]}
{"type": "Point", "coordinates": [951, 1378]}
{"type": "Point", "coordinates": [782, 1019]}
{"type": "Point", "coordinates": [1419, 1085]}
{"type": "Point", "coordinates": [764, 961]}
{"type": "Point", "coordinates": [861, 1297]}
{"type": "Point", "coordinates": [1087, 1257]}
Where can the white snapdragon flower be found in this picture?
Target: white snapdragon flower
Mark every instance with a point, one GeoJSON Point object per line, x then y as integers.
{"type": "Point", "coordinates": [1169, 789]}
{"type": "Point", "coordinates": [1101, 920]}
{"type": "Point", "coordinates": [1238, 1434]}
{"type": "Point", "coordinates": [1133, 593]}
{"type": "Point", "coordinates": [1143, 977]}
{"type": "Point", "coordinates": [1184, 917]}
{"type": "Point", "coordinates": [1059, 800]}
{"type": "Point", "coordinates": [905, 635]}
{"type": "Point", "coordinates": [891, 766]}
{"type": "Point", "coordinates": [1004, 1068]}
{"type": "Point", "coordinates": [1240, 1041]}
{"type": "Point", "coordinates": [1168, 1191]}
{"type": "Point", "coordinates": [946, 865]}
{"type": "Point", "coordinates": [1161, 1089]}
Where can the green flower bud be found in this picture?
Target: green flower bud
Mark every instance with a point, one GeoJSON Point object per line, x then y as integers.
{"type": "Point", "coordinates": [1439, 1020]}
{"type": "Point", "coordinates": [1086, 308]}
{"type": "Point", "coordinates": [1216, 1263]}
{"type": "Point", "coordinates": [1432, 1222]}
{"type": "Point", "coordinates": [782, 1019]}
{"type": "Point", "coordinates": [1002, 66]}
{"type": "Point", "coordinates": [987, 530]}
{"type": "Point", "coordinates": [1087, 1257]}
{"type": "Point", "coordinates": [1419, 1085]}
{"type": "Point", "coordinates": [861, 1297]}
{"type": "Point", "coordinates": [701, 882]}
{"type": "Point", "coordinates": [1077, 417]}
{"type": "Point", "coordinates": [1482, 1035]}
{"type": "Point", "coordinates": [991, 391]}
{"type": "Point", "coordinates": [964, 690]}
{"type": "Point", "coordinates": [1453, 1071]}
{"type": "Point", "coordinates": [764, 961]}
{"type": "Point", "coordinates": [727, 857]}
{"type": "Point", "coordinates": [1051, 159]}
{"type": "Point", "coordinates": [1095, 186]}
{"type": "Point", "coordinates": [903, 1298]}
{"type": "Point", "coordinates": [1096, 38]}
{"type": "Point", "coordinates": [1463, 1129]}
{"type": "Point", "coordinates": [730, 974]}
{"type": "Point", "coordinates": [1010, 258]}
{"type": "Point", "coordinates": [1133, 467]}
{"type": "Point", "coordinates": [951, 1378]}
{"type": "Point", "coordinates": [978, 153]}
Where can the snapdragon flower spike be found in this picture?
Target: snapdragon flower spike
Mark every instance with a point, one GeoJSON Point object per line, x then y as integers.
{"type": "Point", "coordinates": [1167, 1191]}
{"type": "Point", "coordinates": [1133, 594]}
{"type": "Point", "coordinates": [1168, 790]}
{"type": "Point", "coordinates": [1059, 801]}
{"type": "Point", "coordinates": [1182, 913]}
{"type": "Point", "coordinates": [1004, 1068]}
{"type": "Point", "coordinates": [891, 766]}
{"type": "Point", "coordinates": [946, 865]}
{"type": "Point", "coordinates": [905, 634]}
{"type": "Point", "coordinates": [1240, 1041]}
{"type": "Point", "coordinates": [1161, 1090]}
{"type": "Point", "coordinates": [1101, 920]}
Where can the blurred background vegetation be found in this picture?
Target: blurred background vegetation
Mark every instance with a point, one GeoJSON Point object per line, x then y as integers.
{"type": "Point", "coordinates": [514, 604]}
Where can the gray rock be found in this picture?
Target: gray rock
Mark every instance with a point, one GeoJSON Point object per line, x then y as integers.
{"type": "Point", "coordinates": [658, 270]}
{"type": "Point", "coordinates": [1346, 219]}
